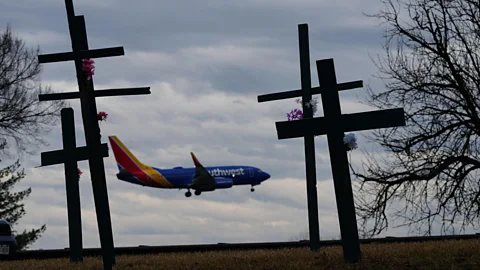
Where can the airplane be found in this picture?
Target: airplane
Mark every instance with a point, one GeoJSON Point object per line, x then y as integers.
{"type": "Point", "coordinates": [198, 178]}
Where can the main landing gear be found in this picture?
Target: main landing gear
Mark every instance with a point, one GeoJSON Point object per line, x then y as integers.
{"type": "Point", "coordinates": [189, 194]}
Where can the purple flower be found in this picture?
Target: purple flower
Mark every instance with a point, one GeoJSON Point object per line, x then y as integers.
{"type": "Point", "coordinates": [295, 114]}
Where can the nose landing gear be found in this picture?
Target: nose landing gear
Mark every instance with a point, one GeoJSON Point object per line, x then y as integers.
{"type": "Point", "coordinates": [252, 189]}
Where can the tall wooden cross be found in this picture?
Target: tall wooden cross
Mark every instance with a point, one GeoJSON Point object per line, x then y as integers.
{"type": "Point", "coordinates": [306, 94]}
{"type": "Point", "coordinates": [334, 124]}
{"type": "Point", "coordinates": [69, 157]}
{"type": "Point", "coordinates": [87, 95]}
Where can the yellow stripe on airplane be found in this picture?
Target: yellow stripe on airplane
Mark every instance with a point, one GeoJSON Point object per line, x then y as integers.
{"type": "Point", "coordinates": [152, 173]}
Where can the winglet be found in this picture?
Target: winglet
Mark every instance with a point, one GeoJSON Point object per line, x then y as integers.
{"type": "Point", "coordinates": [195, 160]}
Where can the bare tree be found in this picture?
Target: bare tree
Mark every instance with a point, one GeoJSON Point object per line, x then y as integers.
{"type": "Point", "coordinates": [432, 70]}
{"type": "Point", "coordinates": [23, 118]}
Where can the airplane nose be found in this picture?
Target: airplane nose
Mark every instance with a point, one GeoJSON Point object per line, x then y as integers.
{"type": "Point", "coordinates": [266, 176]}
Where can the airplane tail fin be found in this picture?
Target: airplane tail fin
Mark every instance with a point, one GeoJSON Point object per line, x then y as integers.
{"type": "Point", "coordinates": [125, 159]}
{"type": "Point", "coordinates": [195, 160]}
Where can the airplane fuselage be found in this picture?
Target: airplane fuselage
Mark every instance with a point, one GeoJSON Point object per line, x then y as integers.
{"type": "Point", "coordinates": [181, 178]}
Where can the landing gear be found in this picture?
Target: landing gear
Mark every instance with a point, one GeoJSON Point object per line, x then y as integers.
{"type": "Point", "coordinates": [189, 194]}
{"type": "Point", "coordinates": [252, 189]}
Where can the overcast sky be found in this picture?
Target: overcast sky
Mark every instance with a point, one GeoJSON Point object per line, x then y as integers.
{"type": "Point", "coordinates": [206, 62]}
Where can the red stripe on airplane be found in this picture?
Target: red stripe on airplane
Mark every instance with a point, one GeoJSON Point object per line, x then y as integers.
{"type": "Point", "coordinates": [128, 164]}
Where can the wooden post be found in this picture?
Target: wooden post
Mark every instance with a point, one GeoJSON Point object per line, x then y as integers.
{"type": "Point", "coordinates": [69, 157]}
{"type": "Point", "coordinates": [309, 141]}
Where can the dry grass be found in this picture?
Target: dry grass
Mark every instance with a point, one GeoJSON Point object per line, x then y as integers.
{"type": "Point", "coordinates": [434, 255]}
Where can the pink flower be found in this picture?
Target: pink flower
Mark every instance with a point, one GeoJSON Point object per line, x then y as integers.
{"type": "Point", "coordinates": [102, 116]}
{"type": "Point", "coordinates": [88, 68]}
{"type": "Point", "coordinates": [79, 173]}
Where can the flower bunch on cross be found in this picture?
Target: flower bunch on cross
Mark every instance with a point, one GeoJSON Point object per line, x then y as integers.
{"type": "Point", "coordinates": [349, 140]}
{"type": "Point", "coordinates": [79, 173]}
{"type": "Point", "coordinates": [102, 116]}
{"type": "Point", "coordinates": [88, 68]}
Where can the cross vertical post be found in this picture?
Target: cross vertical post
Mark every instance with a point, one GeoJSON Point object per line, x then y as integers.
{"type": "Point", "coordinates": [339, 161]}
{"type": "Point", "coordinates": [72, 186]}
{"type": "Point", "coordinates": [309, 140]}
{"type": "Point", "coordinates": [92, 137]}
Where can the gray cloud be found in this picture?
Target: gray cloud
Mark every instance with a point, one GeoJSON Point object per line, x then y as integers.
{"type": "Point", "coordinates": [205, 63]}
{"type": "Point", "coordinates": [265, 32]}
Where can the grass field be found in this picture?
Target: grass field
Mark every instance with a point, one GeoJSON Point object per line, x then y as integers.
{"type": "Point", "coordinates": [464, 254]}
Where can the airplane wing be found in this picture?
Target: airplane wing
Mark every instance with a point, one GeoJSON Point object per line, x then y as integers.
{"type": "Point", "coordinates": [202, 176]}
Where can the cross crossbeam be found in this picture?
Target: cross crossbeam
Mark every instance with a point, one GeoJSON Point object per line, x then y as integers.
{"type": "Point", "coordinates": [97, 93]}
{"type": "Point", "coordinates": [82, 54]}
{"type": "Point", "coordinates": [314, 91]}
{"type": "Point", "coordinates": [59, 156]}
{"type": "Point", "coordinates": [348, 122]}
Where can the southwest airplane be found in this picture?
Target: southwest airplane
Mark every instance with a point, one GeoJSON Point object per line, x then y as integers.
{"type": "Point", "coordinates": [199, 178]}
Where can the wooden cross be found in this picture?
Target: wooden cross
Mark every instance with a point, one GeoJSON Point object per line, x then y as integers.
{"type": "Point", "coordinates": [334, 124]}
{"type": "Point", "coordinates": [69, 157]}
{"type": "Point", "coordinates": [87, 95]}
{"type": "Point", "coordinates": [306, 93]}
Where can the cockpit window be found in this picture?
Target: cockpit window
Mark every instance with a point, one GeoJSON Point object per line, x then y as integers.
{"type": "Point", "coordinates": [259, 170]}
